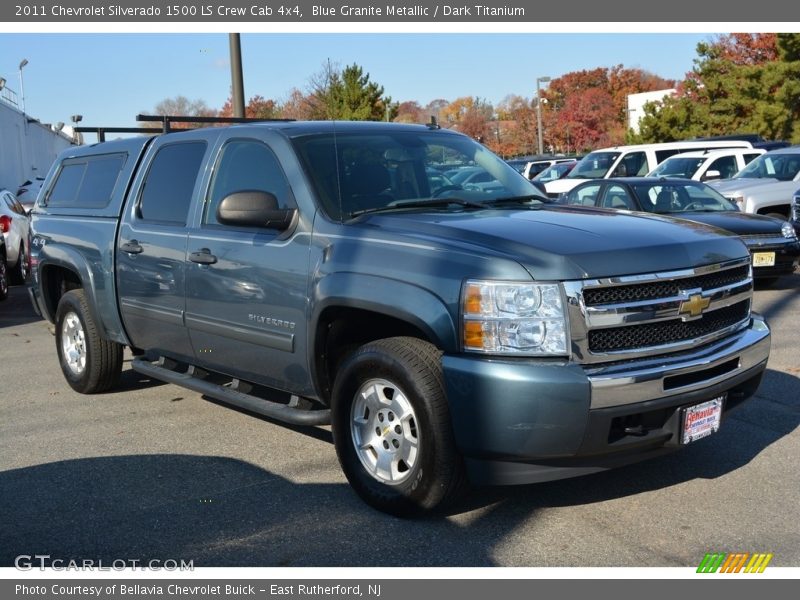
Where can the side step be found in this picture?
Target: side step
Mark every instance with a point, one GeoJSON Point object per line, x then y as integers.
{"type": "Point", "coordinates": [288, 413]}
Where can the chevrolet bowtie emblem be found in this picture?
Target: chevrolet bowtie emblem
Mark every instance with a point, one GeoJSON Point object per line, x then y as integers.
{"type": "Point", "coordinates": [694, 306]}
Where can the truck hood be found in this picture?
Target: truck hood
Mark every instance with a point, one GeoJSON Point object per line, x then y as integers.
{"type": "Point", "coordinates": [730, 186]}
{"type": "Point", "coordinates": [555, 243]}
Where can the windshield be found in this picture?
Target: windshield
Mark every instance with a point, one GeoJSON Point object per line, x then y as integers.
{"type": "Point", "coordinates": [783, 167]}
{"type": "Point", "coordinates": [354, 172]}
{"type": "Point", "coordinates": [556, 171]}
{"type": "Point", "coordinates": [681, 197]}
{"type": "Point", "coordinates": [594, 165]}
{"type": "Point", "coordinates": [678, 167]}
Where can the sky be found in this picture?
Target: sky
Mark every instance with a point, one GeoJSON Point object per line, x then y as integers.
{"type": "Point", "coordinates": [110, 77]}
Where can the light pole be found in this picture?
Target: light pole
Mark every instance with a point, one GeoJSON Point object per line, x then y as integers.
{"type": "Point", "coordinates": [237, 81]}
{"type": "Point", "coordinates": [539, 111]}
{"type": "Point", "coordinates": [21, 86]}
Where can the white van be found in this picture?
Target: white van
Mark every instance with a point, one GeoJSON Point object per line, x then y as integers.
{"type": "Point", "coordinates": [706, 165]}
{"type": "Point", "coordinates": [630, 161]}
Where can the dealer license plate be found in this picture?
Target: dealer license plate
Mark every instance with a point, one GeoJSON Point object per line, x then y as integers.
{"type": "Point", "coordinates": [702, 420]}
{"type": "Point", "coordinates": [763, 259]}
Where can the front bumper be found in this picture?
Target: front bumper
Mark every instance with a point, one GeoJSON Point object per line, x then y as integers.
{"type": "Point", "coordinates": [786, 258]}
{"type": "Point", "coordinates": [522, 421]}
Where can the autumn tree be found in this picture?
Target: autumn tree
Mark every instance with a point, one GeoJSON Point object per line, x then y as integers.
{"type": "Point", "coordinates": [517, 116]}
{"type": "Point", "coordinates": [586, 109]}
{"type": "Point", "coordinates": [410, 112]}
{"type": "Point", "coordinates": [257, 107]}
{"type": "Point", "coordinates": [740, 83]}
{"type": "Point", "coordinates": [180, 106]}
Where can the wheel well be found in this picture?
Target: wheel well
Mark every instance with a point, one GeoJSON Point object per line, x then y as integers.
{"type": "Point", "coordinates": [57, 281]}
{"type": "Point", "coordinates": [340, 331]}
{"type": "Point", "coordinates": [778, 209]}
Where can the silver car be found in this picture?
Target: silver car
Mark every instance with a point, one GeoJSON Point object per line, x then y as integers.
{"type": "Point", "coordinates": [15, 225]}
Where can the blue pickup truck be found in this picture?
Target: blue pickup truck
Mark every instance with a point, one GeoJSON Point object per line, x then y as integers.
{"type": "Point", "coordinates": [318, 273]}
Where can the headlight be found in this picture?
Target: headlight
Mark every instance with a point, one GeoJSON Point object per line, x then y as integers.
{"type": "Point", "coordinates": [738, 200]}
{"type": "Point", "coordinates": [788, 231]}
{"type": "Point", "coordinates": [513, 318]}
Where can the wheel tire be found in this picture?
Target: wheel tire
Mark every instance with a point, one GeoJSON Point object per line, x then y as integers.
{"type": "Point", "coordinates": [19, 274]}
{"type": "Point", "coordinates": [402, 377]}
{"type": "Point", "coordinates": [3, 278]}
{"type": "Point", "coordinates": [90, 364]}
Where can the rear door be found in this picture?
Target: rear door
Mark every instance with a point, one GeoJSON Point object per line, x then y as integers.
{"type": "Point", "coordinates": [246, 300]}
{"type": "Point", "coordinates": [151, 246]}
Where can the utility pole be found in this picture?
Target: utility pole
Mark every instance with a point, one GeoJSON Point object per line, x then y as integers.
{"type": "Point", "coordinates": [237, 80]}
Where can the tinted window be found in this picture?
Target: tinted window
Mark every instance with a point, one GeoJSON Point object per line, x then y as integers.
{"type": "Point", "coordinates": [726, 165]}
{"type": "Point", "coordinates": [355, 172]}
{"type": "Point", "coordinates": [246, 165]}
{"type": "Point", "coordinates": [669, 198]}
{"type": "Point", "coordinates": [170, 181]}
{"type": "Point", "coordinates": [618, 197]}
{"type": "Point", "coordinates": [632, 164]}
{"type": "Point", "coordinates": [65, 190]}
{"type": "Point", "coordinates": [87, 182]}
{"type": "Point", "coordinates": [594, 165]}
{"type": "Point", "coordinates": [584, 196]}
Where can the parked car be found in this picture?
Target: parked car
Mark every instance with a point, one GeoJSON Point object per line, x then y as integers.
{"type": "Point", "coordinates": [631, 161]}
{"type": "Point", "coordinates": [766, 185]}
{"type": "Point", "coordinates": [28, 192]}
{"type": "Point", "coordinates": [796, 212]}
{"type": "Point", "coordinates": [15, 225]}
{"type": "Point", "coordinates": [3, 270]}
{"type": "Point", "coordinates": [773, 243]}
{"type": "Point", "coordinates": [706, 165]}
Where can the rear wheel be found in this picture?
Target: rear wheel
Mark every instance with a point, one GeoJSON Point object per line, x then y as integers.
{"type": "Point", "coordinates": [3, 278]}
{"type": "Point", "coordinates": [392, 427]}
{"type": "Point", "coordinates": [90, 364]}
{"type": "Point", "coordinates": [20, 272]}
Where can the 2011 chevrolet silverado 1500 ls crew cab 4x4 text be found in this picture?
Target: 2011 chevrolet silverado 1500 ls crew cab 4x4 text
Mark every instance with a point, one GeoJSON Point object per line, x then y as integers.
{"type": "Point", "coordinates": [319, 273]}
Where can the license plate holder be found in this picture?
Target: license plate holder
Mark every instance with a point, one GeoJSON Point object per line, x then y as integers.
{"type": "Point", "coordinates": [701, 420]}
{"type": "Point", "coordinates": [763, 259]}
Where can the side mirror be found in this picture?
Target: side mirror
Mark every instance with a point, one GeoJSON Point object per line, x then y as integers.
{"type": "Point", "coordinates": [254, 208]}
{"type": "Point", "coordinates": [711, 175]}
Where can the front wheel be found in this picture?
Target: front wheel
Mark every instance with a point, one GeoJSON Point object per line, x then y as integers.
{"type": "Point", "coordinates": [392, 428]}
{"type": "Point", "coordinates": [90, 363]}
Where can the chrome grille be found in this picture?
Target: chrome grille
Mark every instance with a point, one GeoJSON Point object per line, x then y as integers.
{"type": "Point", "coordinates": [662, 333]}
{"type": "Point", "coordinates": [663, 289]}
{"type": "Point", "coordinates": [626, 318]}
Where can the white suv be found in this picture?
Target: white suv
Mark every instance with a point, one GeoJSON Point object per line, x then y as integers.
{"type": "Point", "coordinates": [706, 165]}
{"type": "Point", "coordinates": [766, 185]}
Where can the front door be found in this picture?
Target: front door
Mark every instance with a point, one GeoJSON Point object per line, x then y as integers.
{"type": "Point", "coordinates": [246, 297]}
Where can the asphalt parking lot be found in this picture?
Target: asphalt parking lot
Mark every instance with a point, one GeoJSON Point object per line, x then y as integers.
{"type": "Point", "coordinates": [153, 471]}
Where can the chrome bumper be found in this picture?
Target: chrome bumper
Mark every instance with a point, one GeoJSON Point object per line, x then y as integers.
{"type": "Point", "coordinates": [665, 376]}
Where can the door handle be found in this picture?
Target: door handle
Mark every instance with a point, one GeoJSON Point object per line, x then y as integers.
{"type": "Point", "coordinates": [203, 257]}
{"type": "Point", "coordinates": [132, 247]}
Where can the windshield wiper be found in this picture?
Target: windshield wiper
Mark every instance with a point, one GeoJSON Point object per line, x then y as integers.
{"type": "Point", "coordinates": [419, 203]}
{"type": "Point", "coordinates": [537, 198]}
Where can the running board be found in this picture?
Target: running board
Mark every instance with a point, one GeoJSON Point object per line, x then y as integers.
{"type": "Point", "coordinates": [268, 408]}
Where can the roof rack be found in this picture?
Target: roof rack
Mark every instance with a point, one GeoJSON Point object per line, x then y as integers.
{"type": "Point", "coordinates": [166, 124]}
